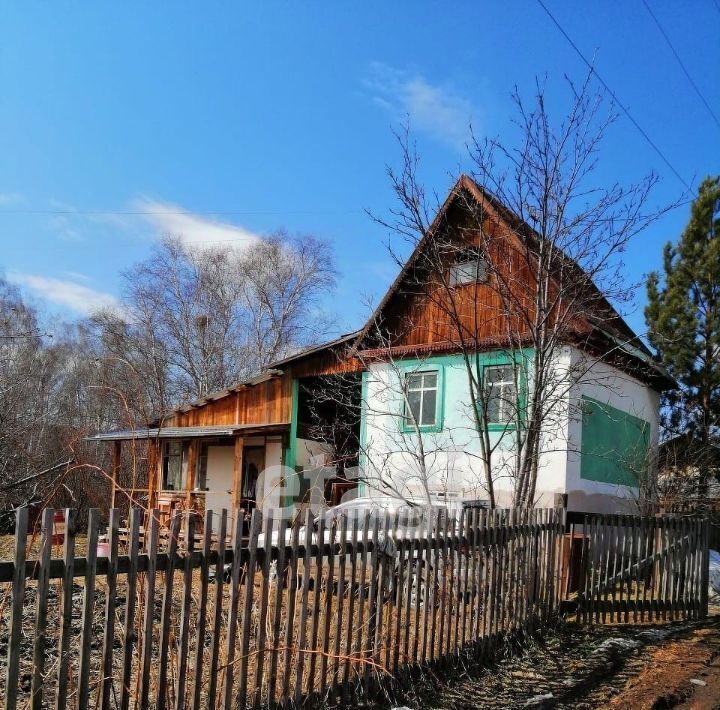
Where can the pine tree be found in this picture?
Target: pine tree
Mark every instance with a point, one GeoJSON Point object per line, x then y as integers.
{"type": "Point", "coordinates": [683, 318]}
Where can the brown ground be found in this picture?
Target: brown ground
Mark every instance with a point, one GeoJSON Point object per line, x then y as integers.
{"type": "Point", "coordinates": [628, 667]}
{"type": "Point", "coordinates": [666, 679]}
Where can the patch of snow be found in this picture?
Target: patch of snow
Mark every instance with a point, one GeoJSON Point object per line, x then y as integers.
{"type": "Point", "coordinates": [714, 575]}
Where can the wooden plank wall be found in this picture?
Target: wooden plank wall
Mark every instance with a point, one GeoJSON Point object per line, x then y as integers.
{"type": "Point", "coordinates": [268, 402]}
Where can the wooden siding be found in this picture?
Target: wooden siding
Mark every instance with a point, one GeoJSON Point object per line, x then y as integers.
{"type": "Point", "coordinates": [268, 402]}
{"type": "Point", "coordinates": [420, 311]}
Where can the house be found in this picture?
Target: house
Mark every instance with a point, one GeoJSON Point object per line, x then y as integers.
{"type": "Point", "coordinates": [407, 364]}
{"type": "Point", "coordinates": [681, 460]}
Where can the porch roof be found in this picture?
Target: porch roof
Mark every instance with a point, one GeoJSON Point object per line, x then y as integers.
{"type": "Point", "coordinates": [189, 432]}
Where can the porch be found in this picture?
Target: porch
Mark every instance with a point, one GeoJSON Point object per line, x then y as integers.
{"type": "Point", "coordinates": [199, 467]}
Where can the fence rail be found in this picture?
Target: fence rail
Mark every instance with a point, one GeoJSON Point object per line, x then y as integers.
{"type": "Point", "coordinates": [289, 614]}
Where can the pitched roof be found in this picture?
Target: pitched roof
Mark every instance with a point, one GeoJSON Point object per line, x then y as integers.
{"type": "Point", "coordinates": [612, 319]}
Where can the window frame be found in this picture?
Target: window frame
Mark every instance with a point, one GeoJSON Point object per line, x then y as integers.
{"type": "Point", "coordinates": [519, 393]}
{"type": "Point", "coordinates": [424, 369]}
{"type": "Point", "coordinates": [167, 456]}
{"type": "Point", "coordinates": [470, 258]}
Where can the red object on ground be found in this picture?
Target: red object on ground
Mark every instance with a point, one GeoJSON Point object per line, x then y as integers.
{"type": "Point", "coordinates": [58, 537]}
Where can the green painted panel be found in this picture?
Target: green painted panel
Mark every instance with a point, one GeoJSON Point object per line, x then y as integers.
{"type": "Point", "coordinates": [614, 444]}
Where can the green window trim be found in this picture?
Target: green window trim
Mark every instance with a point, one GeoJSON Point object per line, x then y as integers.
{"type": "Point", "coordinates": [614, 444]}
{"type": "Point", "coordinates": [439, 401]}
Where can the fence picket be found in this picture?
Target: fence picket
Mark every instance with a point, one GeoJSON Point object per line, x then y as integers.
{"type": "Point", "coordinates": [217, 610]}
{"type": "Point", "coordinates": [316, 605]}
{"type": "Point", "coordinates": [110, 595]}
{"type": "Point", "coordinates": [231, 630]}
{"type": "Point", "coordinates": [342, 558]}
{"type": "Point", "coordinates": [184, 635]}
{"type": "Point", "coordinates": [66, 606]}
{"type": "Point", "coordinates": [327, 611]}
{"type": "Point", "coordinates": [87, 610]}
{"type": "Point", "coordinates": [129, 635]}
{"type": "Point", "coordinates": [304, 603]}
{"type": "Point", "coordinates": [165, 616]}
{"type": "Point", "coordinates": [202, 609]}
{"type": "Point", "coordinates": [16, 612]}
{"type": "Point", "coordinates": [358, 647]}
{"type": "Point", "coordinates": [276, 620]}
{"type": "Point", "coordinates": [41, 605]}
{"type": "Point", "coordinates": [149, 612]}
{"type": "Point", "coordinates": [250, 571]}
{"type": "Point", "coordinates": [292, 599]}
{"type": "Point", "coordinates": [351, 607]}
{"type": "Point", "coordinates": [262, 624]}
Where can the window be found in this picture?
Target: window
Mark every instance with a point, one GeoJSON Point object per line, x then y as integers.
{"type": "Point", "coordinates": [172, 466]}
{"type": "Point", "coordinates": [501, 394]}
{"type": "Point", "coordinates": [422, 397]}
{"type": "Point", "coordinates": [470, 267]}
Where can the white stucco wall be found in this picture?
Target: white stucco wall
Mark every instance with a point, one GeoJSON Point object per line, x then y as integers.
{"type": "Point", "coordinates": [453, 466]}
{"type": "Point", "coordinates": [452, 453]}
{"type": "Point", "coordinates": [611, 386]}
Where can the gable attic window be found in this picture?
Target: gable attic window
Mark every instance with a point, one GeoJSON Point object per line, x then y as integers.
{"type": "Point", "coordinates": [470, 266]}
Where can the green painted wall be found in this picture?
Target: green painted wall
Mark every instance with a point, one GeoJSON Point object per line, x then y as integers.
{"type": "Point", "coordinates": [614, 444]}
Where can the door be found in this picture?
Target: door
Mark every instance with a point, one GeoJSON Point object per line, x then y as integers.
{"type": "Point", "coordinates": [219, 478]}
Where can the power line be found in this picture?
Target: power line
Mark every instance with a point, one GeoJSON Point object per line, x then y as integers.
{"type": "Point", "coordinates": [182, 213]}
{"type": "Point", "coordinates": [680, 62]}
{"type": "Point", "coordinates": [615, 98]}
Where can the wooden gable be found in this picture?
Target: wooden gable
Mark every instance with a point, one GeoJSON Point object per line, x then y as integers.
{"type": "Point", "coordinates": [415, 312]}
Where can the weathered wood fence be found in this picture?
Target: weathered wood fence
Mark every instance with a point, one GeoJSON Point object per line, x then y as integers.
{"type": "Point", "coordinates": [217, 620]}
{"type": "Point", "coordinates": [632, 569]}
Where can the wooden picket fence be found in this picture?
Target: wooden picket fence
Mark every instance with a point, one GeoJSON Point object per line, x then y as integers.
{"type": "Point", "coordinates": [171, 618]}
{"type": "Point", "coordinates": [634, 569]}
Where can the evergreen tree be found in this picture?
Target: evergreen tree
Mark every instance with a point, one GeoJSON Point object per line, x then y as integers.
{"type": "Point", "coordinates": [683, 318]}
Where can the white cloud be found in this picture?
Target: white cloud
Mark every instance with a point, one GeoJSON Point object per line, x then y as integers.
{"type": "Point", "coordinates": [10, 198]}
{"type": "Point", "coordinates": [72, 295]}
{"type": "Point", "coordinates": [195, 230]}
{"type": "Point", "coordinates": [437, 110]}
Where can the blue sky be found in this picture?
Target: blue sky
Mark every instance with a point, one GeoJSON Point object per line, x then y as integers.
{"type": "Point", "coordinates": [120, 122]}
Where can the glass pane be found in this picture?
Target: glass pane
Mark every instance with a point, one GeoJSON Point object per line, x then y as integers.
{"type": "Point", "coordinates": [428, 407]}
{"type": "Point", "coordinates": [414, 381]}
{"type": "Point", "coordinates": [430, 380]}
{"type": "Point", "coordinates": [414, 402]}
{"type": "Point", "coordinates": [493, 410]}
{"type": "Point", "coordinates": [499, 374]}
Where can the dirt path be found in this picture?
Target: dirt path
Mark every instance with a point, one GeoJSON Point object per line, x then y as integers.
{"type": "Point", "coordinates": [675, 665]}
{"type": "Point", "coordinates": [684, 673]}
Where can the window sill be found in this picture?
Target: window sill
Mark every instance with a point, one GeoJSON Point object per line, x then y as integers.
{"type": "Point", "coordinates": [434, 429]}
{"type": "Point", "coordinates": [501, 427]}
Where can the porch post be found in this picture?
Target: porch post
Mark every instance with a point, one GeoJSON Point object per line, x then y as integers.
{"type": "Point", "coordinates": [237, 473]}
{"type": "Point", "coordinates": [115, 468]}
{"type": "Point", "coordinates": [191, 472]}
{"type": "Point", "coordinates": [155, 462]}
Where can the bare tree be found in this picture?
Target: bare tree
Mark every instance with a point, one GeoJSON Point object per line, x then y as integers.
{"type": "Point", "coordinates": [545, 242]}
{"type": "Point", "coordinates": [198, 320]}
